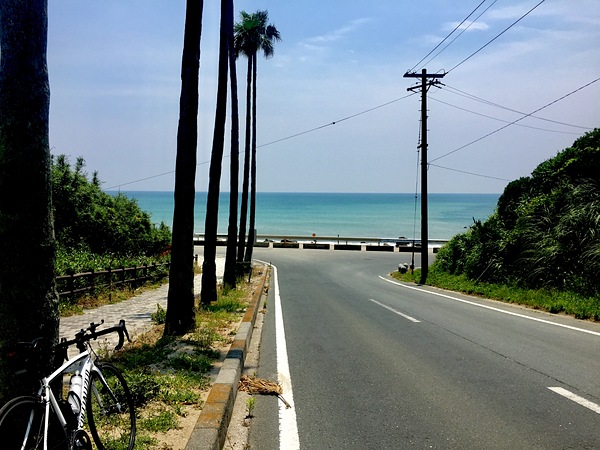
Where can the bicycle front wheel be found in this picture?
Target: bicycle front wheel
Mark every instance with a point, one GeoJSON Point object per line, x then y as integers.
{"type": "Point", "coordinates": [22, 426]}
{"type": "Point", "coordinates": [110, 410]}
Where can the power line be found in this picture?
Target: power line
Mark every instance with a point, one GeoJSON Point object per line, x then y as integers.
{"type": "Point", "coordinates": [497, 36]}
{"type": "Point", "coordinates": [501, 120]}
{"type": "Point", "coordinates": [460, 34]}
{"type": "Point", "coordinates": [517, 120]}
{"type": "Point", "coordinates": [444, 40]}
{"type": "Point", "coordinates": [336, 121]}
{"type": "Point", "coordinates": [456, 91]}
{"type": "Point", "coordinates": [352, 116]}
{"type": "Point", "coordinates": [469, 173]}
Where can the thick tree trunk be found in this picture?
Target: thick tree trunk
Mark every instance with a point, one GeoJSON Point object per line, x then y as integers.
{"type": "Point", "coordinates": [180, 304]}
{"type": "Point", "coordinates": [28, 299]}
{"type": "Point", "coordinates": [209, 267]}
{"type": "Point", "coordinates": [230, 276]}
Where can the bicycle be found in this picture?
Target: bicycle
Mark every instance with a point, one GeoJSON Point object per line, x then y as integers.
{"type": "Point", "coordinates": [97, 400]}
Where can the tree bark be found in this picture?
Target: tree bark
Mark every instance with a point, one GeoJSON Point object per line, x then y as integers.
{"type": "Point", "coordinates": [252, 225]}
{"type": "Point", "coordinates": [28, 298]}
{"type": "Point", "coordinates": [230, 275]}
{"type": "Point", "coordinates": [180, 303]}
{"type": "Point", "coordinates": [247, 152]}
{"type": "Point", "coordinates": [208, 293]}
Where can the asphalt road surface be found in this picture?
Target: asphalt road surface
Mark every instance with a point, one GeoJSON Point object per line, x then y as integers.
{"type": "Point", "coordinates": [373, 364]}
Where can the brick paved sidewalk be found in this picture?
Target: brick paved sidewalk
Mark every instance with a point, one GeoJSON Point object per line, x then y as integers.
{"type": "Point", "coordinates": [136, 312]}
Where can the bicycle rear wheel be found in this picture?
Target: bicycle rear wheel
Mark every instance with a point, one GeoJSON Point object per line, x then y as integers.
{"type": "Point", "coordinates": [110, 410]}
{"type": "Point", "coordinates": [22, 426]}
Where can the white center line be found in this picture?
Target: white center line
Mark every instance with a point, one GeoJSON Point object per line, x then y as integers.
{"type": "Point", "coordinates": [412, 319]}
{"type": "Point", "coordinates": [288, 427]}
{"type": "Point", "coordinates": [576, 398]}
{"type": "Point", "coordinates": [510, 313]}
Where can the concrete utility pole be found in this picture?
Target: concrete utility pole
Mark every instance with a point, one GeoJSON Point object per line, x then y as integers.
{"type": "Point", "coordinates": [425, 84]}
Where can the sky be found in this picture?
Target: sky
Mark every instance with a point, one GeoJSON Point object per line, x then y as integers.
{"type": "Point", "coordinates": [334, 110]}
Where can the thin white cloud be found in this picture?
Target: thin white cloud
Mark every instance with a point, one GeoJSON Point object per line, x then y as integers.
{"type": "Point", "coordinates": [470, 26]}
{"type": "Point", "coordinates": [339, 33]}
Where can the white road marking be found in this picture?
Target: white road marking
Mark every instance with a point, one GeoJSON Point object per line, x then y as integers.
{"type": "Point", "coordinates": [576, 398]}
{"type": "Point", "coordinates": [288, 427]}
{"type": "Point", "coordinates": [395, 311]}
{"type": "Point", "coordinates": [510, 313]}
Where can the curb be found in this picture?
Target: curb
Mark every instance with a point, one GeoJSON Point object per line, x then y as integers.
{"type": "Point", "coordinates": [210, 430]}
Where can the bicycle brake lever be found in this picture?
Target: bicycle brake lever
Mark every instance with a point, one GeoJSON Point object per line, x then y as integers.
{"type": "Point", "coordinates": [122, 324]}
{"type": "Point", "coordinates": [122, 333]}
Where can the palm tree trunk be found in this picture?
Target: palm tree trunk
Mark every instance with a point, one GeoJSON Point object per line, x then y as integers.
{"type": "Point", "coordinates": [252, 230]}
{"type": "Point", "coordinates": [29, 303]}
{"type": "Point", "coordinates": [209, 267]}
{"type": "Point", "coordinates": [230, 276]}
{"type": "Point", "coordinates": [246, 180]}
{"type": "Point", "coordinates": [180, 302]}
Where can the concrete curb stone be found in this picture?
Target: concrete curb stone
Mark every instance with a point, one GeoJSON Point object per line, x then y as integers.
{"type": "Point", "coordinates": [211, 428]}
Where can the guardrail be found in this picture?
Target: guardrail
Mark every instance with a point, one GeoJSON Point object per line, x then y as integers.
{"type": "Point", "coordinates": [332, 242]}
{"type": "Point", "coordinates": [78, 283]}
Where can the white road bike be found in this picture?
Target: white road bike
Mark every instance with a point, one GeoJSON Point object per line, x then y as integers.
{"type": "Point", "coordinates": [60, 416]}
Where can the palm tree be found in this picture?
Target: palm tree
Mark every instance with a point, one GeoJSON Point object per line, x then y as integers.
{"type": "Point", "coordinates": [208, 293]}
{"type": "Point", "coordinates": [29, 303]}
{"type": "Point", "coordinates": [230, 275]}
{"type": "Point", "coordinates": [252, 34]}
{"type": "Point", "coordinates": [180, 303]}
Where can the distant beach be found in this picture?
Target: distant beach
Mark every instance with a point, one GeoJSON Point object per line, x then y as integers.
{"type": "Point", "coordinates": [385, 216]}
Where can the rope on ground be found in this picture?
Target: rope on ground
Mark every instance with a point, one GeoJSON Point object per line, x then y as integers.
{"type": "Point", "coordinates": [254, 385]}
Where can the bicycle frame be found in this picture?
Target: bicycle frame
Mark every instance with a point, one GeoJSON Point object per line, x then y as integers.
{"type": "Point", "coordinates": [85, 364]}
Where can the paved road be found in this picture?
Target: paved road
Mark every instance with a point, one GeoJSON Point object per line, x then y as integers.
{"type": "Point", "coordinates": [376, 365]}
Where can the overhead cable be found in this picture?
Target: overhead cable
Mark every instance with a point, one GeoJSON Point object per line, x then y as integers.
{"type": "Point", "coordinates": [501, 120]}
{"type": "Point", "coordinates": [456, 91]}
{"type": "Point", "coordinates": [460, 34]}
{"type": "Point", "coordinates": [352, 116]}
{"type": "Point", "coordinates": [450, 34]}
{"type": "Point", "coordinates": [517, 120]}
{"type": "Point", "coordinates": [496, 37]}
{"type": "Point", "coordinates": [469, 173]}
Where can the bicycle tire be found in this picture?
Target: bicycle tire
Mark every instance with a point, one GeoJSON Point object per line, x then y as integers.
{"type": "Point", "coordinates": [14, 420]}
{"type": "Point", "coordinates": [110, 410]}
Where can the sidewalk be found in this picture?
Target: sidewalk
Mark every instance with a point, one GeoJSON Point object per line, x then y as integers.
{"type": "Point", "coordinates": [136, 312]}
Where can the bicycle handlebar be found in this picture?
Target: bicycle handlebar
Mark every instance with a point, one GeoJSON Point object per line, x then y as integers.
{"type": "Point", "coordinates": [85, 335]}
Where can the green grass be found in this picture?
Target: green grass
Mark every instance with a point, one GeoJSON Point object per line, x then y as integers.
{"type": "Point", "coordinates": [166, 373]}
{"type": "Point", "coordinates": [549, 300]}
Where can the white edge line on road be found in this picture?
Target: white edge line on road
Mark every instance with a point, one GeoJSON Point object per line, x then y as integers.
{"type": "Point", "coordinates": [288, 426]}
{"type": "Point", "coordinates": [412, 319]}
{"type": "Point", "coordinates": [535, 319]}
{"type": "Point", "coordinates": [576, 398]}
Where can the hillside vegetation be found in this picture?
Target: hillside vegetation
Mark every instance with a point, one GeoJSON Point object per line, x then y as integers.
{"type": "Point", "coordinates": [97, 230]}
{"type": "Point", "coordinates": [545, 232]}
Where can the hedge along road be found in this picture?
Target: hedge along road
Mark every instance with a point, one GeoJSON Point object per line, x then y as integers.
{"type": "Point", "coordinates": [377, 365]}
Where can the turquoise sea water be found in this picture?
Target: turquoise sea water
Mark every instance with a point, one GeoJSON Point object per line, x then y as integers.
{"type": "Point", "coordinates": [346, 215]}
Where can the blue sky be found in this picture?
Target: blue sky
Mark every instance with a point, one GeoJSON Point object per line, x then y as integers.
{"type": "Point", "coordinates": [114, 75]}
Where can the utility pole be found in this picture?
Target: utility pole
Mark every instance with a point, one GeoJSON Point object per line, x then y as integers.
{"type": "Point", "coordinates": [425, 84]}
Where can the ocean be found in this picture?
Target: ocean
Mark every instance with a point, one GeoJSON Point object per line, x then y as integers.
{"type": "Point", "coordinates": [334, 214]}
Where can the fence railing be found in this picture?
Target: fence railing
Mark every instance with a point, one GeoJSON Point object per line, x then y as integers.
{"type": "Point", "coordinates": [78, 283]}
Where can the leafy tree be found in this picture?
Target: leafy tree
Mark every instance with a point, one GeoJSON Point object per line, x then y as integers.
{"type": "Point", "coordinates": [85, 217]}
{"type": "Point", "coordinates": [208, 293]}
{"type": "Point", "coordinates": [546, 229]}
{"type": "Point", "coordinates": [180, 303]}
{"type": "Point", "coordinates": [252, 34]}
{"type": "Point", "coordinates": [28, 299]}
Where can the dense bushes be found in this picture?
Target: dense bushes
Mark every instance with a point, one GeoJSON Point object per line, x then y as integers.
{"type": "Point", "coordinates": [94, 229]}
{"type": "Point", "coordinates": [545, 232]}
